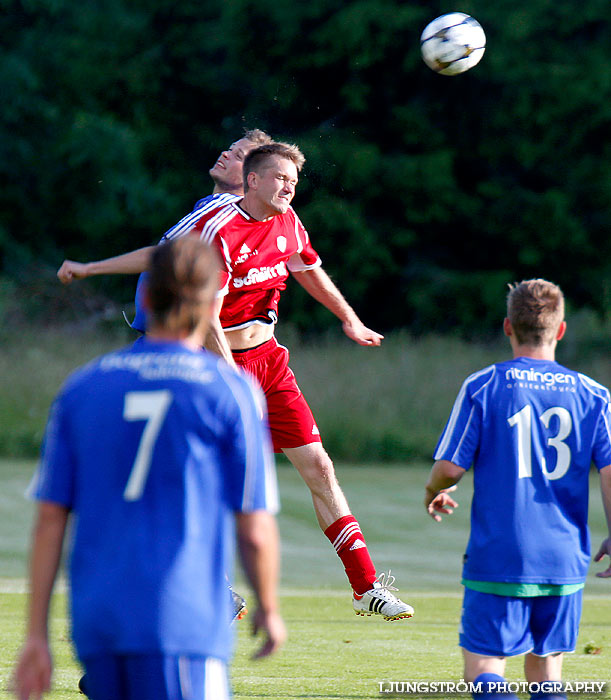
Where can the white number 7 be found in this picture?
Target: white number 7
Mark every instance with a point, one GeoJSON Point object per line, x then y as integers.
{"type": "Point", "coordinates": [151, 406]}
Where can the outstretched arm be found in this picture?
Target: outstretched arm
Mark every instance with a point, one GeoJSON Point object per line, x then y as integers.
{"type": "Point", "coordinates": [33, 670]}
{"type": "Point", "coordinates": [605, 547]}
{"type": "Point", "coordinates": [259, 547]}
{"type": "Point", "coordinates": [442, 481]}
{"type": "Point", "coordinates": [127, 264]}
{"type": "Point", "coordinates": [319, 285]}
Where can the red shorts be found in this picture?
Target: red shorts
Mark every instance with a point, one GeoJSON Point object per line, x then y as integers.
{"type": "Point", "coordinates": [291, 422]}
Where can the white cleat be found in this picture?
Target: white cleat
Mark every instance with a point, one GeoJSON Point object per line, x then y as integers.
{"type": "Point", "coordinates": [380, 601]}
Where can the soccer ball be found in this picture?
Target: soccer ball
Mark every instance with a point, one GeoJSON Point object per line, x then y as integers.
{"type": "Point", "coordinates": [452, 43]}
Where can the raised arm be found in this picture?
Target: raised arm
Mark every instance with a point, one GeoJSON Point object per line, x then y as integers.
{"type": "Point", "coordinates": [259, 547]}
{"type": "Point", "coordinates": [127, 264]}
{"type": "Point", "coordinates": [319, 285]}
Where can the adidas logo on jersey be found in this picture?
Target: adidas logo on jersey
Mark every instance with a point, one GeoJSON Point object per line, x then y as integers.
{"type": "Point", "coordinates": [359, 544]}
{"type": "Point", "coordinates": [315, 430]}
{"type": "Point", "coordinates": [245, 253]}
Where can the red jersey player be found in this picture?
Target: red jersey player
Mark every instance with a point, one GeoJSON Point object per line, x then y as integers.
{"type": "Point", "coordinates": [261, 240]}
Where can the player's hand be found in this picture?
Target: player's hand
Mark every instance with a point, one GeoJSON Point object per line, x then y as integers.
{"type": "Point", "coordinates": [272, 625]}
{"type": "Point", "coordinates": [441, 502]}
{"type": "Point", "coordinates": [71, 270]}
{"type": "Point", "coordinates": [362, 335]}
{"type": "Point", "coordinates": [605, 548]}
{"type": "Point", "coordinates": [32, 675]}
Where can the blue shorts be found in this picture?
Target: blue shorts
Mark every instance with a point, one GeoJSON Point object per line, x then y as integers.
{"type": "Point", "coordinates": [155, 677]}
{"type": "Point", "coordinates": [496, 625]}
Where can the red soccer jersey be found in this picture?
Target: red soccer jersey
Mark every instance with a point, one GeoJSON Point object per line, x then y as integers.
{"type": "Point", "coordinates": [257, 257]}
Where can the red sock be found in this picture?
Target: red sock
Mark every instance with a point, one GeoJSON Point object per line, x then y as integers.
{"type": "Point", "coordinates": [346, 536]}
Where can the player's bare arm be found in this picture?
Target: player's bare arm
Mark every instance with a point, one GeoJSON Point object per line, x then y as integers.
{"type": "Point", "coordinates": [319, 285]}
{"type": "Point", "coordinates": [34, 667]}
{"type": "Point", "coordinates": [442, 481]}
{"type": "Point", "coordinates": [134, 262]}
{"type": "Point", "coordinates": [259, 548]}
{"type": "Point", "coordinates": [605, 547]}
{"type": "Point", "coordinates": [215, 340]}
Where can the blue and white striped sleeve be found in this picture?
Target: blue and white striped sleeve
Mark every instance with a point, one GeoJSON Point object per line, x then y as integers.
{"type": "Point", "coordinates": [54, 480]}
{"type": "Point", "coordinates": [202, 206]}
{"type": "Point", "coordinates": [460, 439]}
{"type": "Point", "coordinates": [601, 450]}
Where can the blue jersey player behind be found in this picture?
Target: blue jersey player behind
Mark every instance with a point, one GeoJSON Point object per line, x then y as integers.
{"type": "Point", "coordinates": [160, 454]}
{"type": "Point", "coordinates": [530, 429]}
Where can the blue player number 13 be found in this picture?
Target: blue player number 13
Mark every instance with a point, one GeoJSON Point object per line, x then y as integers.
{"type": "Point", "coordinates": [522, 421]}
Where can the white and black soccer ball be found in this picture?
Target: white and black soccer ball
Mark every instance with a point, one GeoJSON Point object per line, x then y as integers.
{"type": "Point", "coordinates": [452, 43]}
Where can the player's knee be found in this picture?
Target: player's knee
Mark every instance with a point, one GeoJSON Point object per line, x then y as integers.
{"type": "Point", "coordinates": [323, 473]}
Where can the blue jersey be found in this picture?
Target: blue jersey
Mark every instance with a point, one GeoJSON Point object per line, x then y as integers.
{"type": "Point", "coordinates": [154, 448]}
{"type": "Point", "coordinates": [179, 229]}
{"type": "Point", "coordinates": [531, 429]}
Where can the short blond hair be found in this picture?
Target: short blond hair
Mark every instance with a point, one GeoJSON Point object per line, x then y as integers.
{"type": "Point", "coordinates": [535, 309]}
{"type": "Point", "coordinates": [183, 277]}
{"type": "Point", "coordinates": [257, 137]}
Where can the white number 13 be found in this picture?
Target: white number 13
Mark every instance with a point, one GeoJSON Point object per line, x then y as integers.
{"type": "Point", "coordinates": [523, 422]}
{"type": "Point", "coordinates": [151, 406]}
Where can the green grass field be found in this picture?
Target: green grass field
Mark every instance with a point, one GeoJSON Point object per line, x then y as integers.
{"type": "Point", "coordinates": [331, 653]}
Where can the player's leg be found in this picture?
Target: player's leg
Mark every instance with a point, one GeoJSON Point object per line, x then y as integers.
{"type": "Point", "coordinates": [487, 675]}
{"type": "Point", "coordinates": [294, 432]}
{"type": "Point", "coordinates": [543, 668]}
{"type": "Point", "coordinates": [476, 664]}
{"type": "Point", "coordinates": [317, 470]}
{"type": "Point", "coordinates": [555, 626]}
{"type": "Point", "coordinates": [372, 595]}
{"type": "Point", "coordinates": [333, 513]}
{"type": "Point", "coordinates": [492, 628]}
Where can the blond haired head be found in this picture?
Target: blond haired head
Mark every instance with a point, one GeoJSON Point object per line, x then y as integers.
{"type": "Point", "coordinates": [535, 309]}
{"type": "Point", "coordinates": [183, 278]}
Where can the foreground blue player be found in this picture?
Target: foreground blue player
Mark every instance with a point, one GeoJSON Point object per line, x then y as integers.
{"type": "Point", "coordinates": [531, 429]}
{"type": "Point", "coordinates": [160, 453]}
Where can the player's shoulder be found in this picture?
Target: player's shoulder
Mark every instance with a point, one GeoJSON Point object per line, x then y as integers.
{"type": "Point", "coordinates": [79, 380]}
{"type": "Point", "coordinates": [216, 200]}
{"type": "Point", "coordinates": [204, 209]}
{"type": "Point", "coordinates": [292, 215]}
{"type": "Point", "coordinates": [214, 218]}
{"type": "Point", "coordinates": [480, 379]}
{"type": "Point", "coordinates": [594, 388]}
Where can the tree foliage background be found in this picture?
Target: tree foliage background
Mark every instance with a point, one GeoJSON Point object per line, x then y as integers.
{"type": "Point", "coordinates": [424, 194]}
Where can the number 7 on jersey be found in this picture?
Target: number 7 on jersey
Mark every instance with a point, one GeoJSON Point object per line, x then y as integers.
{"type": "Point", "coordinates": [151, 406]}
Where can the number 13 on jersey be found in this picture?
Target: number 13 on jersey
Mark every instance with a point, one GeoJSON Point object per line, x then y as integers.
{"type": "Point", "coordinates": [523, 422]}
